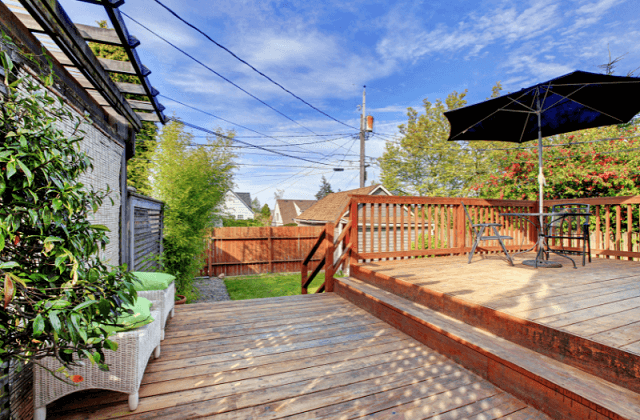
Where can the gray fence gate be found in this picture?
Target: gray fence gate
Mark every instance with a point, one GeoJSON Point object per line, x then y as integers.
{"type": "Point", "coordinates": [145, 217]}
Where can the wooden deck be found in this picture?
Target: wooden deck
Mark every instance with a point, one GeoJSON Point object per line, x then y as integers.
{"type": "Point", "coordinates": [302, 357]}
{"type": "Point", "coordinates": [600, 301]}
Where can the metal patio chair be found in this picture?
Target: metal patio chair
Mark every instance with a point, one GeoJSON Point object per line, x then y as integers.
{"type": "Point", "coordinates": [478, 233]}
{"type": "Point", "coordinates": [572, 226]}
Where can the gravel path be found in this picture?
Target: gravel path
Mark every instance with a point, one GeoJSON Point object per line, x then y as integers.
{"type": "Point", "coordinates": [212, 289]}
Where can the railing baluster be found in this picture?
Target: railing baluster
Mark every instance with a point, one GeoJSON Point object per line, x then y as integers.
{"type": "Point", "coordinates": [387, 228]}
{"type": "Point", "coordinates": [380, 227]}
{"type": "Point", "coordinates": [608, 229]}
{"type": "Point", "coordinates": [372, 226]}
{"type": "Point", "coordinates": [395, 230]}
{"type": "Point", "coordinates": [629, 230]}
{"type": "Point", "coordinates": [364, 227]}
{"type": "Point", "coordinates": [618, 246]}
{"type": "Point", "coordinates": [402, 210]}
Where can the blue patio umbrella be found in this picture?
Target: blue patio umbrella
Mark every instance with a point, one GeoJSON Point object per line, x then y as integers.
{"type": "Point", "coordinates": [568, 103]}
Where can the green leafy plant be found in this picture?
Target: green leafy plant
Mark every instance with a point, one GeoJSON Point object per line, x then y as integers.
{"type": "Point", "coordinates": [56, 292]}
{"type": "Point", "coordinates": [192, 182]}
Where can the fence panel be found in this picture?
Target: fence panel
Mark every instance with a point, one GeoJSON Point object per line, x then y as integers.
{"type": "Point", "coordinates": [237, 251]}
{"type": "Point", "coordinates": [145, 221]}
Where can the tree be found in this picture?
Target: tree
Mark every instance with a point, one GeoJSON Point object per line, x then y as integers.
{"type": "Point", "coordinates": [325, 189]}
{"type": "Point", "coordinates": [255, 205]}
{"type": "Point", "coordinates": [266, 211]}
{"type": "Point", "coordinates": [423, 162]}
{"type": "Point", "coordinates": [57, 293]}
{"type": "Point", "coordinates": [576, 165]}
{"type": "Point", "coordinates": [192, 182]}
{"type": "Point", "coordinates": [137, 166]}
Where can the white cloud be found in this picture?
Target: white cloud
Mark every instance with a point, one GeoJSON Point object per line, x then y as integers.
{"type": "Point", "coordinates": [410, 39]}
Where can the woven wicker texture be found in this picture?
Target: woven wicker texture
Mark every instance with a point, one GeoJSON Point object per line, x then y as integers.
{"type": "Point", "coordinates": [126, 366]}
{"type": "Point", "coordinates": [166, 300]}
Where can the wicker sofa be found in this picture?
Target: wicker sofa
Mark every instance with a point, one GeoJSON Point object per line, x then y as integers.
{"type": "Point", "coordinates": [127, 365]}
{"type": "Point", "coordinates": [165, 300]}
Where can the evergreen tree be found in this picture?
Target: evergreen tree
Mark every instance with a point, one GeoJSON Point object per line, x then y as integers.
{"type": "Point", "coordinates": [255, 205]}
{"type": "Point", "coordinates": [266, 211]}
{"type": "Point", "coordinates": [325, 189]}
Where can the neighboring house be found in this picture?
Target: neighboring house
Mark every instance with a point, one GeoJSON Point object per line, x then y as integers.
{"type": "Point", "coordinates": [328, 209]}
{"type": "Point", "coordinates": [286, 211]}
{"type": "Point", "coordinates": [83, 84]}
{"type": "Point", "coordinates": [237, 205]}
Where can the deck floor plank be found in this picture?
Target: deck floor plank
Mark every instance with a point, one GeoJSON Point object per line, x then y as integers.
{"type": "Point", "coordinates": [275, 360]}
{"type": "Point", "coordinates": [599, 301]}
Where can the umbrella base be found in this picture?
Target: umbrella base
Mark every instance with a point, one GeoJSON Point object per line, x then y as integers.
{"type": "Point", "coordinates": [542, 263]}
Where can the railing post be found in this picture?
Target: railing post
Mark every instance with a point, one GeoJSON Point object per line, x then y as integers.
{"type": "Point", "coordinates": [328, 265]}
{"type": "Point", "coordinates": [353, 236]}
{"type": "Point", "coordinates": [303, 278]}
{"type": "Point", "coordinates": [271, 249]}
{"type": "Point", "coordinates": [459, 228]}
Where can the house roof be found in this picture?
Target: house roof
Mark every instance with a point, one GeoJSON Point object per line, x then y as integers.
{"type": "Point", "coordinates": [328, 209]}
{"type": "Point", "coordinates": [288, 208]}
{"type": "Point", "coordinates": [245, 198]}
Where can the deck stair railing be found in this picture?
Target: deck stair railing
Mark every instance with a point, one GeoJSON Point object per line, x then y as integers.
{"type": "Point", "coordinates": [329, 244]}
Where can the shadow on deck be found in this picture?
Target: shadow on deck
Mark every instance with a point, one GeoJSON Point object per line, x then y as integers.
{"type": "Point", "coordinates": [302, 357]}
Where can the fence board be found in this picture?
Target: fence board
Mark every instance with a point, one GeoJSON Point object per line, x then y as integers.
{"type": "Point", "coordinates": [237, 251]}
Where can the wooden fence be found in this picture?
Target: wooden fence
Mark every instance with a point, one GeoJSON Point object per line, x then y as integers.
{"type": "Point", "coordinates": [236, 251]}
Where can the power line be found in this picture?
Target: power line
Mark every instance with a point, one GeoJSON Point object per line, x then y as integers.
{"type": "Point", "coordinates": [280, 145]}
{"type": "Point", "coordinates": [250, 66]}
{"type": "Point", "coordinates": [249, 129]}
{"type": "Point", "coordinates": [218, 74]}
{"type": "Point", "coordinates": [243, 142]}
{"type": "Point", "coordinates": [259, 165]}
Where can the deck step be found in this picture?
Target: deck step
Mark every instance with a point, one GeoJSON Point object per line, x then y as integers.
{"type": "Point", "coordinates": [559, 390]}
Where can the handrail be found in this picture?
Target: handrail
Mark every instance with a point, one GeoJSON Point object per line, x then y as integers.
{"type": "Point", "coordinates": [314, 248]}
{"type": "Point", "coordinates": [326, 237]}
{"type": "Point", "coordinates": [304, 267]}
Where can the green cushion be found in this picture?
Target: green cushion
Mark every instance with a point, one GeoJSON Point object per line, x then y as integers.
{"type": "Point", "coordinates": [151, 281]}
{"type": "Point", "coordinates": [141, 317]}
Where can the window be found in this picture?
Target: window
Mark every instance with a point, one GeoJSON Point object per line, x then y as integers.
{"type": "Point", "coordinates": [240, 217]}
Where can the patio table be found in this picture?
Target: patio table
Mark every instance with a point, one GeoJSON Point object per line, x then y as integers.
{"type": "Point", "coordinates": [541, 243]}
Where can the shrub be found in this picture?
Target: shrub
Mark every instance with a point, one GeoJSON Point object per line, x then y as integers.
{"type": "Point", "coordinates": [55, 288]}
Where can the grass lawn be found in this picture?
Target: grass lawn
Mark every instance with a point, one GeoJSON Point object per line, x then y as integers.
{"type": "Point", "coordinates": [268, 285]}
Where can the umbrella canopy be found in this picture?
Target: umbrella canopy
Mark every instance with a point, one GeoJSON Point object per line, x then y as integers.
{"type": "Point", "coordinates": [568, 103]}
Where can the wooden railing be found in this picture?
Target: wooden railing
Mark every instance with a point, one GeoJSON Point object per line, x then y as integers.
{"type": "Point", "coordinates": [384, 228]}
{"type": "Point", "coordinates": [329, 261]}
{"type": "Point", "coordinates": [399, 227]}
{"type": "Point", "coordinates": [615, 226]}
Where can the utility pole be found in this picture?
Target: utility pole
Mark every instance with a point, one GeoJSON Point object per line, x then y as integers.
{"type": "Point", "coordinates": [362, 128]}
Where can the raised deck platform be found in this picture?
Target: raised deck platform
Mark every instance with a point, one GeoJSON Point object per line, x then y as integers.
{"type": "Point", "coordinates": [585, 318]}
{"type": "Point", "coordinates": [302, 357]}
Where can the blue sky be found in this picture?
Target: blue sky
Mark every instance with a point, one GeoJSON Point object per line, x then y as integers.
{"type": "Point", "coordinates": [326, 51]}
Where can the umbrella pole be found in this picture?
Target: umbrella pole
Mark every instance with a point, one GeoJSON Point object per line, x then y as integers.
{"type": "Point", "coordinates": [541, 238]}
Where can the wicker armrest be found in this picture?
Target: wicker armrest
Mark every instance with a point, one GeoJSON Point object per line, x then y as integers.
{"type": "Point", "coordinates": [126, 367]}
{"type": "Point", "coordinates": [166, 301]}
